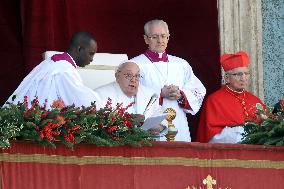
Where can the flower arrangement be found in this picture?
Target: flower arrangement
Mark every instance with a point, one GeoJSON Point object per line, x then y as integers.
{"type": "Point", "coordinates": [268, 126]}
{"type": "Point", "coordinates": [70, 125]}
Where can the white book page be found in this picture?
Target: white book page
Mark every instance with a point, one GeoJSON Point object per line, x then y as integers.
{"type": "Point", "coordinates": [153, 121]}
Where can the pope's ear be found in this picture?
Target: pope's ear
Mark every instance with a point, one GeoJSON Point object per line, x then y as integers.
{"type": "Point", "coordinates": [117, 77]}
{"type": "Point", "coordinates": [116, 74]}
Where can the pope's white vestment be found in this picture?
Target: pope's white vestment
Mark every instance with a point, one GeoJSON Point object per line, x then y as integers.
{"type": "Point", "coordinates": [178, 72]}
{"type": "Point", "coordinates": [143, 96]}
{"type": "Point", "coordinates": [53, 80]}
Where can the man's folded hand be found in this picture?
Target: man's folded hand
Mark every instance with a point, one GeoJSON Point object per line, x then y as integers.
{"type": "Point", "coordinates": [171, 92]}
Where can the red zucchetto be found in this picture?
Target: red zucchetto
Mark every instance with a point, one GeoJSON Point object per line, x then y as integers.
{"type": "Point", "coordinates": [231, 61]}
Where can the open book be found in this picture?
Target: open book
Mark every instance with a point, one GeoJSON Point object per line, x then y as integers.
{"type": "Point", "coordinates": [154, 120]}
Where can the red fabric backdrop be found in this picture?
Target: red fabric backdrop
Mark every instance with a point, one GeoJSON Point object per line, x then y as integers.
{"type": "Point", "coordinates": [30, 27]}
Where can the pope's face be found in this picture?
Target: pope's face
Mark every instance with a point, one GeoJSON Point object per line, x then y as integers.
{"type": "Point", "coordinates": [128, 79]}
{"type": "Point", "coordinates": [237, 78]}
{"type": "Point", "coordinates": [157, 39]}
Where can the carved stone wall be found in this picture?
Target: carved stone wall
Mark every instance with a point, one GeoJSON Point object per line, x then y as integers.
{"type": "Point", "coordinates": [273, 49]}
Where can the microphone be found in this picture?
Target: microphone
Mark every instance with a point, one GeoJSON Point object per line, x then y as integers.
{"type": "Point", "coordinates": [152, 100]}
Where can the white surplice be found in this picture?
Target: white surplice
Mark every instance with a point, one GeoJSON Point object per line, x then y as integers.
{"type": "Point", "coordinates": [178, 72]}
{"type": "Point", "coordinates": [52, 81]}
{"type": "Point", "coordinates": [143, 96]}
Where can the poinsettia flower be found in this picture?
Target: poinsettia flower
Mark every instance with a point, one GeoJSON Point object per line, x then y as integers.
{"type": "Point", "coordinates": [58, 104]}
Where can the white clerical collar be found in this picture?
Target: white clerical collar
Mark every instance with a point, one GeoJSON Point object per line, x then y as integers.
{"type": "Point", "coordinates": [239, 92]}
{"type": "Point", "coordinates": [161, 54]}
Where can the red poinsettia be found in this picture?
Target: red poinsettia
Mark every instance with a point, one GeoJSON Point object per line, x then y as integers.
{"type": "Point", "coordinates": [58, 104]}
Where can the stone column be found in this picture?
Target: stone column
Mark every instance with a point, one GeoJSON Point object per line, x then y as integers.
{"type": "Point", "coordinates": [240, 24]}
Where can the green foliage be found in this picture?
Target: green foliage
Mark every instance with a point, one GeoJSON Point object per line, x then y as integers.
{"type": "Point", "coordinates": [267, 128]}
{"type": "Point", "coordinates": [70, 125]}
{"type": "Point", "coordinates": [11, 123]}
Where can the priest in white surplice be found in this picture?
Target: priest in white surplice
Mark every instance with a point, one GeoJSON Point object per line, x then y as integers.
{"type": "Point", "coordinates": [57, 78]}
{"type": "Point", "coordinates": [170, 76]}
{"type": "Point", "coordinates": [126, 90]}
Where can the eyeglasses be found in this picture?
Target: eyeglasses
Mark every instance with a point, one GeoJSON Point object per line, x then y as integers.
{"type": "Point", "coordinates": [239, 75]}
{"type": "Point", "coordinates": [156, 37]}
{"type": "Point", "coordinates": [129, 76]}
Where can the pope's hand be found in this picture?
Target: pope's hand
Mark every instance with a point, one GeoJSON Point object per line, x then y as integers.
{"type": "Point", "coordinates": [156, 130]}
{"type": "Point", "coordinates": [139, 118]}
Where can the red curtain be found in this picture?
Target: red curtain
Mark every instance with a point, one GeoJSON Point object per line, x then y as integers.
{"type": "Point", "coordinates": [30, 27]}
{"type": "Point", "coordinates": [12, 64]}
